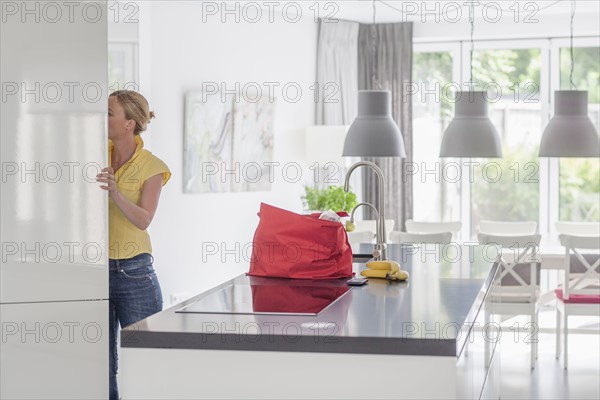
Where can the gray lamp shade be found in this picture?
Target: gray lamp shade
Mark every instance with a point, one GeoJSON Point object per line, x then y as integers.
{"type": "Point", "coordinates": [570, 133]}
{"type": "Point", "coordinates": [471, 133]}
{"type": "Point", "coordinates": [374, 133]}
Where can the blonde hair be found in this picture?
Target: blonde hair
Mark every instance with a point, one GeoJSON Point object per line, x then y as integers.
{"type": "Point", "coordinates": [136, 108]}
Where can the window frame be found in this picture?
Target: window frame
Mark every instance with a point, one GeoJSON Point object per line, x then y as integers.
{"type": "Point", "coordinates": [130, 50]}
{"type": "Point", "coordinates": [543, 46]}
{"type": "Point", "coordinates": [549, 83]}
{"type": "Point", "coordinates": [455, 49]}
{"type": "Point", "coordinates": [554, 171]}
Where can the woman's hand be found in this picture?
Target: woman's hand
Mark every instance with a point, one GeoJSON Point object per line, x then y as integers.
{"type": "Point", "coordinates": [108, 176]}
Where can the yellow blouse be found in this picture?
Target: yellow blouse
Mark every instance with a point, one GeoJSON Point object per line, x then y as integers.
{"type": "Point", "coordinates": [125, 239]}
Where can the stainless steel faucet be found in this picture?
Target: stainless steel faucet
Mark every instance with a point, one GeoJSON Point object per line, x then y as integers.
{"type": "Point", "coordinates": [372, 207]}
{"type": "Point", "coordinates": [379, 253]}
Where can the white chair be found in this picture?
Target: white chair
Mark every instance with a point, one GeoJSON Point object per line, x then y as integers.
{"type": "Point", "coordinates": [580, 293]}
{"type": "Point", "coordinates": [371, 225]}
{"type": "Point", "coordinates": [441, 238]}
{"type": "Point", "coordinates": [515, 289]}
{"type": "Point", "coordinates": [357, 237]}
{"type": "Point", "coordinates": [578, 228]}
{"type": "Point", "coordinates": [432, 227]}
{"type": "Point", "coordinates": [520, 228]}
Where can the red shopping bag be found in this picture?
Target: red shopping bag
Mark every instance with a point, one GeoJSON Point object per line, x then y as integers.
{"type": "Point", "coordinates": [290, 245]}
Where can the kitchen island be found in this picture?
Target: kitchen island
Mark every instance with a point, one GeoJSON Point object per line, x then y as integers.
{"type": "Point", "coordinates": [278, 338]}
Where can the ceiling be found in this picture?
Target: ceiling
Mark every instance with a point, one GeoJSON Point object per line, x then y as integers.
{"type": "Point", "coordinates": [362, 10]}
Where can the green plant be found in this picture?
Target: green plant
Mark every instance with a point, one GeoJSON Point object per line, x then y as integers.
{"type": "Point", "coordinates": [331, 198]}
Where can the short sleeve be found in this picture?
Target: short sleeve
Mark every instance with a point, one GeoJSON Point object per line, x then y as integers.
{"type": "Point", "coordinates": [157, 166]}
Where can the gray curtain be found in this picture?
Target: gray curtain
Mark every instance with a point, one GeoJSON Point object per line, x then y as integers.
{"type": "Point", "coordinates": [385, 63]}
{"type": "Point", "coordinates": [337, 69]}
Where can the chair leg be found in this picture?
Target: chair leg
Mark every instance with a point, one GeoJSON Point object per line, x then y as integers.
{"type": "Point", "coordinates": [533, 323]}
{"type": "Point", "coordinates": [566, 337]}
{"type": "Point", "coordinates": [558, 321]}
{"type": "Point", "coordinates": [487, 341]}
{"type": "Point", "coordinates": [535, 337]}
{"type": "Point", "coordinates": [537, 341]}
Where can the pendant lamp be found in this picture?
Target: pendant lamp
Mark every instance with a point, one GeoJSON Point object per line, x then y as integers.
{"type": "Point", "coordinates": [471, 133]}
{"type": "Point", "coordinates": [570, 132]}
{"type": "Point", "coordinates": [374, 133]}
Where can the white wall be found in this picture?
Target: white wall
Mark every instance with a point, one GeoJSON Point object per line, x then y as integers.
{"type": "Point", "coordinates": [178, 52]}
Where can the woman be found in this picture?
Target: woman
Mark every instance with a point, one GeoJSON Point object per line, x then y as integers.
{"type": "Point", "coordinates": [133, 181]}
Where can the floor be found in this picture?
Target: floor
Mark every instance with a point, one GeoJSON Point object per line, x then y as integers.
{"type": "Point", "coordinates": [549, 380]}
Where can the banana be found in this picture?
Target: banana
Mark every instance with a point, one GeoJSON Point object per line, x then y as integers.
{"type": "Point", "coordinates": [374, 273]}
{"type": "Point", "coordinates": [385, 269]}
{"type": "Point", "coordinates": [385, 265]}
{"type": "Point", "coordinates": [395, 267]}
{"type": "Point", "coordinates": [398, 275]}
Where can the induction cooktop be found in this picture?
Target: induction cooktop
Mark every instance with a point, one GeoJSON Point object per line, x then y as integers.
{"type": "Point", "coordinates": [267, 299]}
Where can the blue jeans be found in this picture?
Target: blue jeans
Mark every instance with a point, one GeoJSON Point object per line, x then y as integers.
{"type": "Point", "coordinates": [134, 294]}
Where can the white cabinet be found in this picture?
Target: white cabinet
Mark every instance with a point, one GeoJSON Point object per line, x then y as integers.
{"type": "Point", "coordinates": [54, 230]}
{"type": "Point", "coordinates": [54, 350]}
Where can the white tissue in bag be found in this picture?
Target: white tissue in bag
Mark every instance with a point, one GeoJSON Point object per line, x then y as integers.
{"type": "Point", "coordinates": [329, 215]}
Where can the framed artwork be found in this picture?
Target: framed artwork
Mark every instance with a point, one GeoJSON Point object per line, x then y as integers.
{"type": "Point", "coordinates": [228, 143]}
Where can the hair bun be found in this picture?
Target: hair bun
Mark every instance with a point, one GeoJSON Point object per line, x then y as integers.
{"type": "Point", "coordinates": [150, 115]}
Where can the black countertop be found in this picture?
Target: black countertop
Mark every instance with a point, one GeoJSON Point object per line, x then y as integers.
{"type": "Point", "coordinates": [430, 314]}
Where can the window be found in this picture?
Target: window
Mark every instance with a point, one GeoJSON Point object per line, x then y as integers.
{"type": "Point", "coordinates": [438, 198]}
{"type": "Point", "coordinates": [579, 181]}
{"type": "Point", "coordinates": [122, 66]}
{"type": "Point", "coordinates": [529, 188]}
{"type": "Point", "coordinates": [507, 188]}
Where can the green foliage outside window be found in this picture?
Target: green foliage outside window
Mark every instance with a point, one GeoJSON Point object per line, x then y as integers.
{"type": "Point", "coordinates": [507, 188]}
{"type": "Point", "coordinates": [579, 189]}
{"type": "Point", "coordinates": [430, 69]}
{"type": "Point", "coordinates": [516, 72]}
{"type": "Point", "coordinates": [515, 196]}
{"type": "Point", "coordinates": [586, 71]}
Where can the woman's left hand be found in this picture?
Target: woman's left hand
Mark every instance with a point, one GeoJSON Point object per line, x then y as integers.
{"type": "Point", "coordinates": [108, 176]}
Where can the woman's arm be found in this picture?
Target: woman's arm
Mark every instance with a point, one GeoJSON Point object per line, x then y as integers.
{"type": "Point", "coordinates": [141, 215]}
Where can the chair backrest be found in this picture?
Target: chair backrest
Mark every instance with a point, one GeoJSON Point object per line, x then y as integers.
{"type": "Point", "coordinates": [582, 271]}
{"type": "Point", "coordinates": [509, 241]}
{"type": "Point", "coordinates": [519, 265]}
{"type": "Point", "coordinates": [442, 238]}
{"type": "Point", "coordinates": [508, 228]}
{"type": "Point", "coordinates": [578, 228]}
{"type": "Point", "coordinates": [432, 227]}
{"type": "Point", "coordinates": [371, 225]}
{"type": "Point", "coordinates": [357, 237]}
